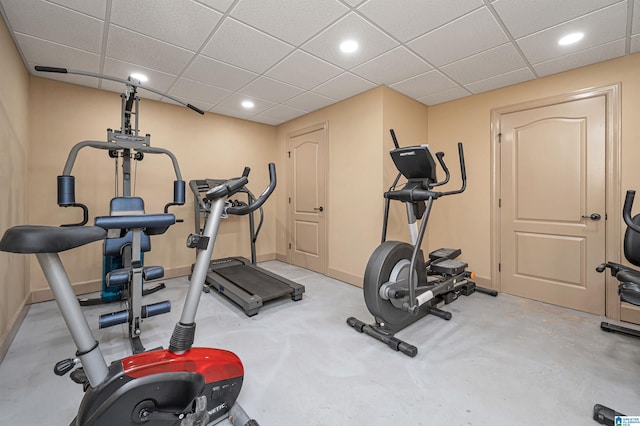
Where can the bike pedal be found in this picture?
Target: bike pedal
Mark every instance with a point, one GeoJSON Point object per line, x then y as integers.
{"type": "Point", "coordinates": [79, 376]}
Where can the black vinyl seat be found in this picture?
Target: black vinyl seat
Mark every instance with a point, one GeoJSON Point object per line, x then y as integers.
{"type": "Point", "coordinates": [49, 239]}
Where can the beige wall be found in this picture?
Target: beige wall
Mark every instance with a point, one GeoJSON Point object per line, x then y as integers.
{"type": "Point", "coordinates": [209, 146]}
{"type": "Point", "coordinates": [464, 220]}
{"type": "Point", "coordinates": [353, 207]}
{"type": "Point", "coordinates": [14, 137]}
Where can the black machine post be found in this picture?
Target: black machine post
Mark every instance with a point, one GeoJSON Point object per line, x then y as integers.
{"type": "Point", "coordinates": [400, 286]}
{"type": "Point", "coordinates": [124, 273]}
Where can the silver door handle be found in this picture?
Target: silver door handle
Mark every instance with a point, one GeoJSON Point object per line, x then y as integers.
{"type": "Point", "coordinates": [320, 209]}
{"type": "Point", "coordinates": [593, 216]}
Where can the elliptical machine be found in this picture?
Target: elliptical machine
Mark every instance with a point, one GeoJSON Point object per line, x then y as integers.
{"type": "Point", "coordinates": [394, 295]}
{"type": "Point", "coordinates": [181, 385]}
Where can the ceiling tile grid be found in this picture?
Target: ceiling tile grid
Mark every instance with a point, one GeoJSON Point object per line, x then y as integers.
{"type": "Point", "coordinates": [284, 55]}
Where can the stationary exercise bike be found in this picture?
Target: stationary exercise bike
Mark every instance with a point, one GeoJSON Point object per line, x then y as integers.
{"type": "Point", "coordinates": [628, 289]}
{"type": "Point", "coordinates": [181, 385]}
{"type": "Point", "coordinates": [394, 295]}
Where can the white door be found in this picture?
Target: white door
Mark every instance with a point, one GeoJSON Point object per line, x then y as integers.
{"type": "Point", "coordinates": [552, 215]}
{"type": "Point", "coordinates": [307, 199]}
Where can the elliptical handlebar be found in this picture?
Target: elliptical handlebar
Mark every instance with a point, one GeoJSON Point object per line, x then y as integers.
{"type": "Point", "coordinates": [626, 211]}
{"type": "Point", "coordinates": [414, 194]}
{"type": "Point", "coordinates": [440, 157]}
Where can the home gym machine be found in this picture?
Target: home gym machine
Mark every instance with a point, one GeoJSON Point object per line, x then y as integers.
{"type": "Point", "coordinates": [628, 289]}
{"type": "Point", "coordinates": [123, 274]}
{"type": "Point", "coordinates": [239, 279]}
{"type": "Point", "coordinates": [395, 296]}
{"type": "Point", "coordinates": [181, 385]}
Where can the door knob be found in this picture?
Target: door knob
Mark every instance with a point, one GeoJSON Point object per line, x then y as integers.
{"type": "Point", "coordinates": [593, 216]}
{"type": "Point", "coordinates": [320, 209]}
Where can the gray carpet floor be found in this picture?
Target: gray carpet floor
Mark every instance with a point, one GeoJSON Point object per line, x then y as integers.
{"type": "Point", "coordinates": [499, 361]}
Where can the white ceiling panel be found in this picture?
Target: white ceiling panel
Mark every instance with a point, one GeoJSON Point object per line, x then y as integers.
{"type": "Point", "coordinates": [407, 19]}
{"type": "Point", "coordinates": [479, 29]}
{"type": "Point", "coordinates": [372, 42]}
{"type": "Point", "coordinates": [270, 90]}
{"type": "Point", "coordinates": [95, 8]}
{"type": "Point", "coordinates": [523, 17]}
{"type": "Point", "coordinates": [182, 23]}
{"type": "Point", "coordinates": [303, 70]}
{"type": "Point", "coordinates": [578, 59]}
{"type": "Point", "coordinates": [444, 96]}
{"type": "Point", "coordinates": [233, 105]}
{"type": "Point", "coordinates": [198, 91]}
{"type": "Point", "coordinates": [219, 5]}
{"type": "Point", "coordinates": [245, 47]}
{"type": "Point", "coordinates": [343, 86]}
{"type": "Point", "coordinates": [424, 84]}
{"type": "Point", "coordinates": [293, 21]}
{"type": "Point", "coordinates": [284, 54]}
{"type": "Point", "coordinates": [502, 80]}
{"type": "Point", "coordinates": [309, 101]}
{"type": "Point", "coordinates": [219, 74]}
{"type": "Point", "coordinates": [543, 46]}
{"type": "Point", "coordinates": [157, 80]}
{"type": "Point", "coordinates": [127, 46]}
{"type": "Point", "coordinates": [283, 112]}
{"type": "Point", "coordinates": [496, 61]}
{"type": "Point", "coordinates": [395, 65]}
{"type": "Point", "coordinates": [55, 23]}
{"type": "Point", "coordinates": [58, 55]}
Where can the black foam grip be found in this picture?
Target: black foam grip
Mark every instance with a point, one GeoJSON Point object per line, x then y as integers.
{"type": "Point", "coordinates": [51, 69]}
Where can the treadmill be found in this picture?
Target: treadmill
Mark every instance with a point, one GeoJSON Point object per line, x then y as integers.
{"type": "Point", "coordinates": [239, 279]}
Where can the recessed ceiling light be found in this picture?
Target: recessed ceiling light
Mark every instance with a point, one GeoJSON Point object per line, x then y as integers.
{"type": "Point", "coordinates": [349, 46]}
{"type": "Point", "coordinates": [247, 104]}
{"type": "Point", "coordinates": [570, 39]}
{"type": "Point", "coordinates": [140, 77]}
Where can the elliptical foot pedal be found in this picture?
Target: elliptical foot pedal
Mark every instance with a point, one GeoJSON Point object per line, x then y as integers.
{"type": "Point", "coordinates": [445, 253]}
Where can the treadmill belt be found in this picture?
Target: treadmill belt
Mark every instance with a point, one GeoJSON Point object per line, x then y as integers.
{"type": "Point", "coordinates": [254, 282]}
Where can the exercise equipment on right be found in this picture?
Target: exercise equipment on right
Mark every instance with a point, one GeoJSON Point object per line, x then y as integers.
{"type": "Point", "coordinates": [628, 289]}
{"type": "Point", "coordinates": [394, 295]}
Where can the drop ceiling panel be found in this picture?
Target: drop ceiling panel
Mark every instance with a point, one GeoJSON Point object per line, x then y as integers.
{"type": "Point", "coordinates": [285, 53]}
{"type": "Point", "coordinates": [216, 73]}
{"type": "Point", "coordinates": [283, 113]}
{"type": "Point", "coordinates": [95, 8]}
{"type": "Point", "coordinates": [55, 23]}
{"type": "Point", "coordinates": [523, 17]}
{"type": "Point", "coordinates": [578, 59]}
{"type": "Point", "coordinates": [127, 46]}
{"type": "Point", "coordinates": [479, 29]}
{"type": "Point", "coordinates": [543, 46]}
{"type": "Point", "coordinates": [293, 21]}
{"type": "Point", "coordinates": [303, 70]}
{"type": "Point", "coordinates": [395, 65]}
{"type": "Point", "coordinates": [270, 90]}
{"type": "Point", "coordinates": [309, 101]}
{"type": "Point", "coordinates": [57, 55]}
{"type": "Point", "coordinates": [372, 42]}
{"type": "Point", "coordinates": [240, 45]}
{"type": "Point", "coordinates": [343, 86]}
{"type": "Point", "coordinates": [407, 19]}
{"type": "Point", "coordinates": [424, 84]}
{"type": "Point", "coordinates": [496, 61]}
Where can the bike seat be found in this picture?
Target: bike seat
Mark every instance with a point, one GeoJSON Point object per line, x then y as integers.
{"type": "Point", "coordinates": [48, 239]}
{"type": "Point", "coordinates": [151, 224]}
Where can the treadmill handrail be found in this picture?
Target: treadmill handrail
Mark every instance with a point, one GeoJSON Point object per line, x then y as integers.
{"type": "Point", "coordinates": [243, 210]}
